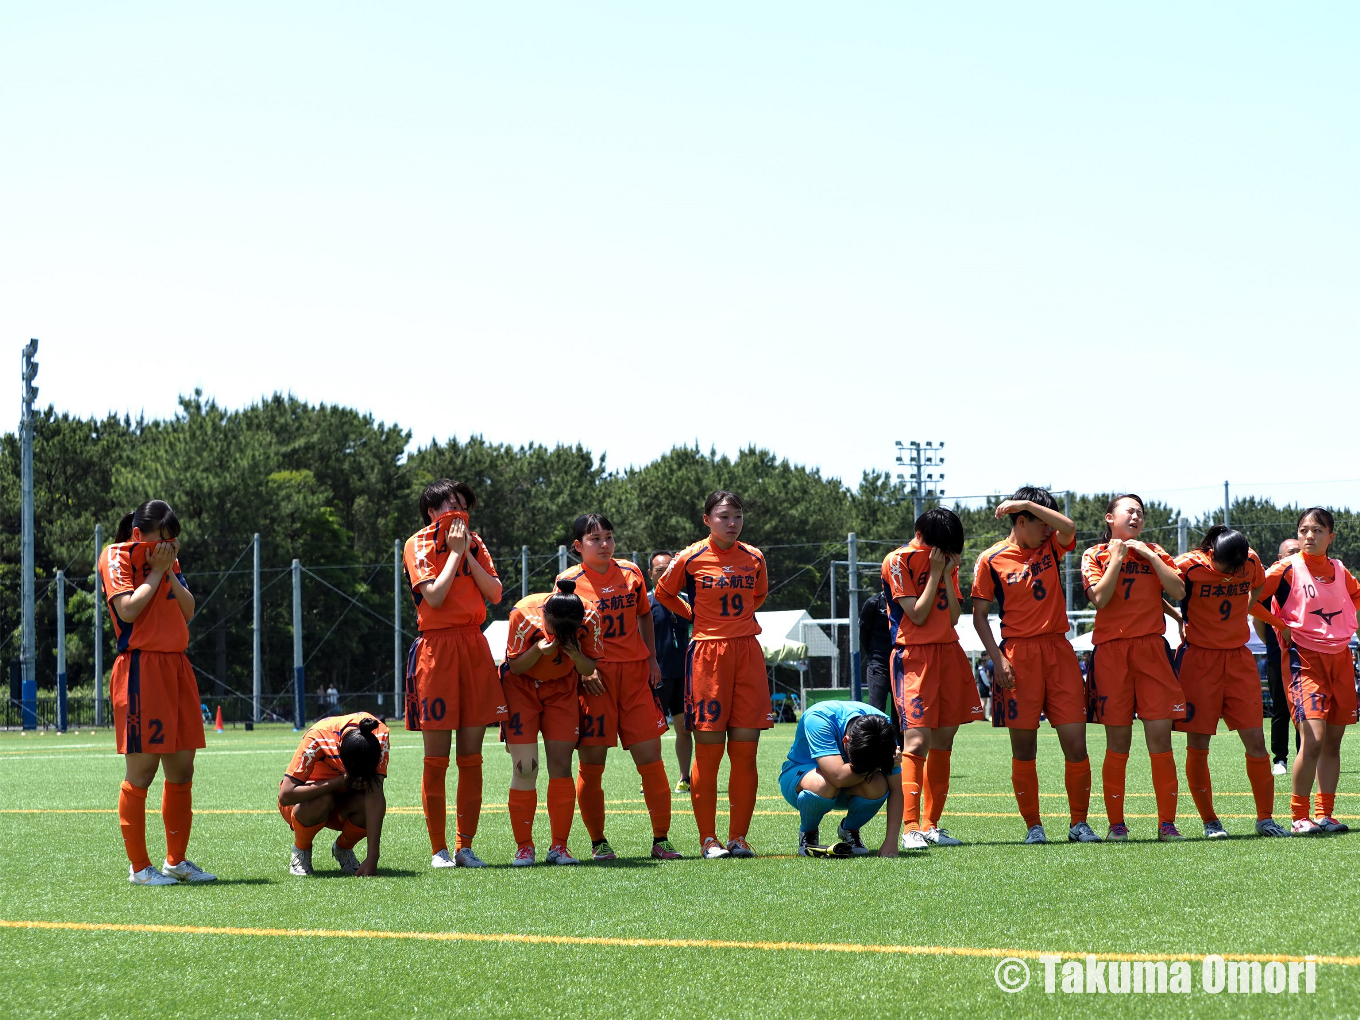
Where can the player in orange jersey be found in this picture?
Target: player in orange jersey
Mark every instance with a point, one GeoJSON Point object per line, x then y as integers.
{"type": "Point", "coordinates": [1223, 579]}
{"type": "Point", "coordinates": [619, 702]}
{"type": "Point", "coordinates": [1131, 663]}
{"type": "Point", "coordinates": [335, 781]}
{"type": "Point", "coordinates": [554, 641]}
{"type": "Point", "coordinates": [156, 715]}
{"type": "Point", "coordinates": [932, 680]}
{"type": "Point", "coordinates": [727, 700]}
{"type": "Point", "coordinates": [1036, 670]}
{"type": "Point", "coordinates": [1316, 599]}
{"type": "Point", "coordinates": [451, 680]}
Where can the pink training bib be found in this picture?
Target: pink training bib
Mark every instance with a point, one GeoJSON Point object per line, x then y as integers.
{"type": "Point", "coordinates": [1321, 615]}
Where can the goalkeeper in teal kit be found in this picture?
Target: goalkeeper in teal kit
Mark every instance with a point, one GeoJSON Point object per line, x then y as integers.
{"type": "Point", "coordinates": [844, 758]}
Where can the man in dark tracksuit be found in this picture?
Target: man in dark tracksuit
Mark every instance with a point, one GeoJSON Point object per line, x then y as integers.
{"type": "Point", "coordinates": [672, 638]}
{"type": "Point", "coordinates": [1280, 720]}
{"type": "Point", "coordinates": [875, 646]}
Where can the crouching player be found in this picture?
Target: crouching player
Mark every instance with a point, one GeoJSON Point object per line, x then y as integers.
{"type": "Point", "coordinates": [335, 781]}
{"type": "Point", "coordinates": [844, 757]}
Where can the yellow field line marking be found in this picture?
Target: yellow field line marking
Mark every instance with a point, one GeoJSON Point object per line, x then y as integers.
{"type": "Point", "coordinates": [589, 940]}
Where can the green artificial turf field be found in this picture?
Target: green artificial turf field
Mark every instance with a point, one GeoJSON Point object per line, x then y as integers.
{"type": "Point", "coordinates": [64, 862]}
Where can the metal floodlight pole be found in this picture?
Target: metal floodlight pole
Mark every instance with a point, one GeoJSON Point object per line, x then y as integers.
{"type": "Point", "coordinates": [397, 702]}
{"type": "Point", "coordinates": [833, 590]}
{"type": "Point", "coordinates": [1226, 504]}
{"type": "Point", "coordinates": [1067, 557]}
{"type": "Point", "coordinates": [299, 709]}
{"type": "Point", "coordinates": [855, 685]}
{"type": "Point", "coordinates": [98, 629]}
{"type": "Point", "coordinates": [61, 650]}
{"type": "Point", "coordinates": [561, 559]}
{"type": "Point", "coordinates": [1182, 536]}
{"type": "Point", "coordinates": [27, 649]}
{"type": "Point", "coordinates": [257, 660]}
{"type": "Point", "coordinates": [524, 571]}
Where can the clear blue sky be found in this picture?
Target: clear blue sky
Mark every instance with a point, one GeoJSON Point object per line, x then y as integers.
{"type": "Point", "coordinates": [1088, 245]}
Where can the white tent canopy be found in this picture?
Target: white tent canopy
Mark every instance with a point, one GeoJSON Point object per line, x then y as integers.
{"type": "Point", "coordinates": [790, 635]}
{"type": "Point", "coordinates": [497, 634]}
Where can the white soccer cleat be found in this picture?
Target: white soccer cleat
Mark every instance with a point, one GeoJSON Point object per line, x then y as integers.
{"type": "Point", "coordinates": [713, 850]}
{"type": "Point", "coordinates": [941, 837]}
{"type": "Point", "coordinates": [465, 858]}
{"type": "Point", "coordinates": [1036, 834]}
{"type": "Point", "coordinates": [1082, 833]}
{"type": "Point", "coordinates": [149, 876]}
{"type": "Point", "coordinates": [851, 836]}
{"type": "Point", "coordinates": [1270, 827]}
{"type": "Point", "coordinates": [301, 863]}
{"type": "Point", "coordinates": [914, 839]}
{"type": "Point", "coordinates": [1279, 768]}
{"type": "Point", "coordinates": [559, 854]}
{"type": "Point", "coordinates": [525, 857]}
{"type": "Point", "coordinates": [442, 860]}
{"type": "Point", "coordinates": [1329, 824]}
{"type": "Point", "coordinates": [187, 871]}
{"type": "Point", "coordinates": [1215, 830]}
{"type": "Point", "coordinates": [1306, 827]}
{"type": "Point", "coordinates": [739, 847]}
{"type": "Point", "coordinates": [345, 857]}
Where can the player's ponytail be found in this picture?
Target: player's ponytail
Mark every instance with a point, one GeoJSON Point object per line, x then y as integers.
{"type": "Point", "coordinates": [151, 515]}
{"type": "Point", "coordinates": [1226, 547]}
{"type": "Point", "coordinates": [361, 751]}
{"type": "Point", "coordinates": [1107, 534]}
{"type": "Point", "coordinates": [564, 612]}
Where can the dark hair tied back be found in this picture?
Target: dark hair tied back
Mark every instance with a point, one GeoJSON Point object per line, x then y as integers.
{"type": "Point", "coordinates": [717, 499]}
{"type": "Point", "coordinates": [1320, 515]}
{"type": "Point", "coordinates": [361, 751]}
{"type": "Point", "coordinates": [1108, 534]}
{"type": "Point", "coordinates": [1227, 547]}
{"type": "Point", "coordinates": [564, 612]}
{"type": "Point", "coordinates": [151, 515]}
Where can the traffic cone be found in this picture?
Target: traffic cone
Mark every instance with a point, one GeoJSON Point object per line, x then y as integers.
{"type": "Point", "coordinates": [219, 718]}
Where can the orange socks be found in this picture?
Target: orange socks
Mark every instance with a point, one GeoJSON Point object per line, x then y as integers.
{"type": "Point", "coordinates": [350, 834]}
{"type": "Point", "coordinates": [1112, 785]}
{"type": "Point", "coordinates": [913, 769]}
{"type": "Point", "coordinates": [656, 791]}
{"type": "Point", "coordinates": [523, 804]}
{"type": "Point", "coordinates": [177, 812]}
{"type": "Point", "coordinates": [132, 820]}
{"type": "Point", "coordinates": [741, 786]}
{"type": "Point", "coordinates": [590, 796]}
{"type": "Point", "coordinates": [1197, 778]}
{"type": "Point", "coordinates": [1262, 786]}
{"type": "Point", "coordinates": [1164, 784]}
{"type": "Point", "coordinates": [1298, 807]}
{"type": "Point", "coordinates": [1025, 781]}
{"type": "Point", "coordinates": [1326, 804]}
{"type": "Point", "coordinates": [561, 808]}
{"type": "Point", "coordinates": [469, 797]}
{"type": "Point", "coordinates": [1077, 779]}
{"type": "Point", "coordinates": [302, 834]}
{"type": "Point", "coordinates": [433, 799]}
{"type": "Point", "coordinates": [703, 788]}
{"type": "Point", "coordinates": [937, 785]}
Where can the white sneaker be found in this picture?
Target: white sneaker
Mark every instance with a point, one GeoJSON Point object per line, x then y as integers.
{"type": "Point", "coordinates": [941, 837]}
{"type": "Point", "coordinates": [187, 871]}
{"type": "Point", "coordinates": [1305, 827]}
{"type": "Point", "coordinates": [525, 857]}
{"type": "Point", "coordinates": [1215, 830]}
{"type": "Point", "coordinates": [465, 858]}
{"type": "Point", "coordinates": [1279, 768]}
{"type": "Point", "coordinates": [149, 876]}
{"type": "Point", "coordinates": [345, 857]}
{"type": "Point", "coordinates": [442, 860]}
{"type": "Point", "coordinates": [301, 864]}
{"type": "Point", "coordinates": [1036, 834]}
{"type": "Point", "coordinates": [559, 854]}
{"type": "Point", "coordinates": [712, 850]}
{"type": "Point", "coordinates": [914, 839]}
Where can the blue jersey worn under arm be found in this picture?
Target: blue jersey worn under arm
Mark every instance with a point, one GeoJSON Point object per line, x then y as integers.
{"type": "Point", "coordinates": [821, 730]}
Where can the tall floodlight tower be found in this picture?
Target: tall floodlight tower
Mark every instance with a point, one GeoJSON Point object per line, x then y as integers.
{"type": "Point", "coordinates": [28, 651]}
{"type": "Point", "coordinates": [925, 477]}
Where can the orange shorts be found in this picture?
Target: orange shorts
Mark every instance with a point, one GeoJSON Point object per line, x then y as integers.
{"type": "Point", "coordinates": [333, 820]}
{"type": "Point", "coordinates": [933, 686]}
{"type": "Point", "coordinates": [628, 711]}
{"type": "Point", "coordinates": [1321, 685]}
{"type": "Point", "coordinates": [1131, 676]}
{"type": "Point", "coordinates": [726, 686]}
{"type": "Point", "coordinates": [1048, 680]}
{"type": "Point", "coordinates": [451, 681]}
{"type": "Point", "coordinates": [155, 703]}
{"type": "Point", "coordinates": [1219, 683]}
{"type": "Point", "coordinates": [539, 706]}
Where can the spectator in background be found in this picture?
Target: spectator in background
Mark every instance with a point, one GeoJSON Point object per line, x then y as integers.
{"type": "Point", "coordinates": [672, 638]}
{"type": "Point", "coordinates": [875, 646]}
{"type": "Point", "coordinates": [1279, 708]}
{"type": "Point", "coordinates": [333, 698]}
{"type": "Point", "coordinates": [985, 673]}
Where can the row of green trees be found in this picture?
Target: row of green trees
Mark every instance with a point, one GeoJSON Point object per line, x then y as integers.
{"type": "Point", "coordinates": [334, 488]}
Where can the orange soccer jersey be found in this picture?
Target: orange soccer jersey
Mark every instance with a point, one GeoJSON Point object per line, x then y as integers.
{"type": "Point", "coordinates": [724, 587]}
{"type": "Point", "coordinates": [905, 573]}
{"type": "Point", "coordinates": [1136, 608]}
{"type": "Point", "coordinates": [527, 629]}
{"type": "Point", "coordinates": [619, 596]}
{"type": "Point", "coordinates": [318, 756]}
{"type": "Point", "coordinates": [1025, 585]}
{"type": "Point", "coordinates": [161, 626]}
{"type": "Point", "coordinates": [425, 554]}
{"type": "Point", "coordinates": [1215, 606]}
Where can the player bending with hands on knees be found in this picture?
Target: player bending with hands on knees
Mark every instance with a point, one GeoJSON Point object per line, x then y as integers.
{"type": "Point", "coordinates": [335, 781]}
{"type": "Point", "coordinates": [932, 680]}
{"type": "Point", "coordinates": [844, 756]}
{"type": "Point", "coordinates": [156, 716]}
{"type": "Point", "coordinates": [554, 643]}
{"type": "Point", "coordinates": [1036, 669]}
{"type": "Point", "coordinates": [1131, 662]}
